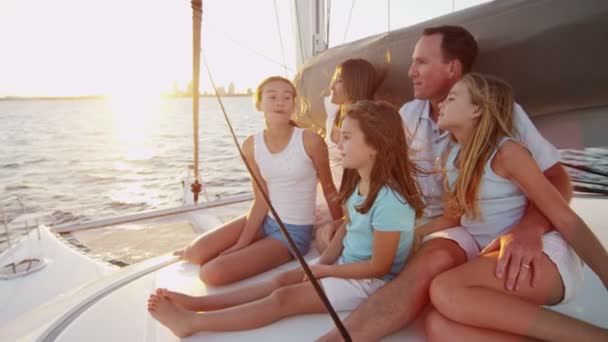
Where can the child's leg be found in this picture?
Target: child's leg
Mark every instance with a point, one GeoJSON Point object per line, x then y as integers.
{"type": "Point", "coordinates": [439, 328]}
{"type": "Point", "coordinates": [470, 294]}
{"type": "Point", "coordinates": [209, 244]}
{"type": "Point", "coordinates": [231, 298]}
{"type": "Point", "coordinates": [256, 258]}
{"type": "Point", "coordinates": [283, 302]}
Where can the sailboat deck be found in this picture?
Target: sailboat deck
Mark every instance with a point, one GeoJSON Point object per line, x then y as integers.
{"type": "Point", "coordinates": [132, 322]}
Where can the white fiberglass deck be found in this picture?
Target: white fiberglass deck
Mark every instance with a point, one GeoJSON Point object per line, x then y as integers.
{"type": "Point", "coordinates": [121, 314]}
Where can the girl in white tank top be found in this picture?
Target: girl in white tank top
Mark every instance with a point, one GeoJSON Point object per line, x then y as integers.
{"type": "Point", "coordinates": [288, 161]}
{"type": "Point", "coordinates": [489, 177]}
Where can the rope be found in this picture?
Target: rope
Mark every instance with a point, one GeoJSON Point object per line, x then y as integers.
{"type": "Point", "coordinates": [388, 16]}
{"type": "Point", "coordinates": [270, 59]}
{"type": "Point", "coordinates": [276, 14]}
{"type": "Point", "coordinates": [299, 30]}
{"type": "Point", "coordinates": [328, 20]}
{"type": "Point", "coordinates": [197, 14]}
{"type": "Point", "coordinates": [350, 13]}
{"type": "Point", "coordinates": [299, 256]}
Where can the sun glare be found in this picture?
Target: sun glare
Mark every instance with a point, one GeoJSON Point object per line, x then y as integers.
{"type": "Point", "coordinates": [135, 119]}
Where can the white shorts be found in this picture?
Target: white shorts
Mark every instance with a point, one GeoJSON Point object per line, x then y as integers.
{"type": "Point", "coordinates": [569, 265]}
{"type": "Point", "coordinates": [347, 294]}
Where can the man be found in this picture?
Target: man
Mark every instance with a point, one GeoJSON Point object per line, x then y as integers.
{"type": "Point", "coordinates": [441, 56]}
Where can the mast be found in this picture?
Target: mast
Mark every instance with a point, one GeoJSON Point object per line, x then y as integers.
{"type": "Point", "coordinates": [310, 29]}
{"type": "Point", "coordinates": [197, 14]}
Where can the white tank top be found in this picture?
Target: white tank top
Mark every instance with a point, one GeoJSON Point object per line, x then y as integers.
{"type": "Point", "coordinates": [291, 178]}
{"type": "Point", "coordinates": [501, 201]}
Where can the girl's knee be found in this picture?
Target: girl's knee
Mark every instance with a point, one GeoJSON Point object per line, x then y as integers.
{"type": "Point", "coordinates": [214, 273]}
{"type": "Point", "coordinates": [281, 298]}
{"type": "Point", "coordinates": [443, 293]}
{"type": "Point", "coordinates": [437, 327]}
{"type": "Point", "coordinates": [440, 255]}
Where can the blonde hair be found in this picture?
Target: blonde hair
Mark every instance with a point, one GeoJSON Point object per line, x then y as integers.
{"type": "Point", "coordinates": [360, 81]}
{"type": "Point", "coordinates": [495, 101]}
{"type": "Point", "coordinates": [257, 96]}
{"type": "Point", "coordinates": [383, 131]}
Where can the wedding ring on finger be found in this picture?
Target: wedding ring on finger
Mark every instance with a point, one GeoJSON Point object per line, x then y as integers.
{"type": "Point", "coordinates": [526, 266]}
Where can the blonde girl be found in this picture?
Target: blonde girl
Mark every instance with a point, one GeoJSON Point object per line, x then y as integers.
{"type": "Point", "coordinates": [491, 179]}
{"type": "Point", "coordinates": [288, 161]}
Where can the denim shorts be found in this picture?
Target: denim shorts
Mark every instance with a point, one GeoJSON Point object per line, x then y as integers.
{"type": "Point", "coordinates": [301, 234]}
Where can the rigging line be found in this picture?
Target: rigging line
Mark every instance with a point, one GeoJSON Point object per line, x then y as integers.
{"type": "Point", "coordinates": [297, 12]}
{"type": "Point", "coordinates": [276, 14]}
{"type": "Point", "coordinates": [328, 21]}
{"type": "Point", "coordinates": [388, 16]}
{"type": "Point", "coordinates": [299, 256]}
{"type": "Point", "coordinates": [350, 13]}
{"type": "Point", "coordinates": [237, 43]}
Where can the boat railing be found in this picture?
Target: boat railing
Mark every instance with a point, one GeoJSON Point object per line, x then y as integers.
{"type": "Point", "coordinates": [22, 262]}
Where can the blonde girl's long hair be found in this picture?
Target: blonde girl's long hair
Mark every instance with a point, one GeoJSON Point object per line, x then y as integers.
{"type": "Point", "coordinates": [383, 131]}
{"type": "Point", "coordinates": [495, 100]}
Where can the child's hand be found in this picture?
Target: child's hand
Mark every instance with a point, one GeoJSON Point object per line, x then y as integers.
{"type": "Point", "coordinates": [319, 271]}
{"type": "Point", "coordinates": [238, 245]}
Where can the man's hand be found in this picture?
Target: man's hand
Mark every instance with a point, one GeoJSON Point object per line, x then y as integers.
{"type": "Point", "coordinates": [520, 250]}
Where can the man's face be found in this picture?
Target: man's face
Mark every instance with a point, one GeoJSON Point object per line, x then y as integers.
{"type": "Point", "coordinates": [431, 75]}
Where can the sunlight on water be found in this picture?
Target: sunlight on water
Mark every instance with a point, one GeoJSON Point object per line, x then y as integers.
{"type": "Point", "coordinates": [135, 121]}
{"type": "Point", "coordinates": [134, 193]}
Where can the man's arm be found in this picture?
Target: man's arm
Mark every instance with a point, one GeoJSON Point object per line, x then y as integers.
{"type": "Point", "coordinates": [522, 245]}
{"type": "Point", "coordinates": [533, 218]}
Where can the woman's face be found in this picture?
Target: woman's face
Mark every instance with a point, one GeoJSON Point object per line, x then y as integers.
{"type": "Point", "coordinates": [338, 93]}
{"type": "Point", "coordinates": [457, 110]}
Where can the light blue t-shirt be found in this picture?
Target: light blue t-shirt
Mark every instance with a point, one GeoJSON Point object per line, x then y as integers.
{"type": "Point", "coordinates": [389, 212]}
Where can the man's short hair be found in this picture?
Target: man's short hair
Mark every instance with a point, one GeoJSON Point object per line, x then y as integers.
{"type": "Point", "coordinates": [456, 43]}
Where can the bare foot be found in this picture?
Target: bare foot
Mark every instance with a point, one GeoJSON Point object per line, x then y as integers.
{"type": "Point", "coordinates": [173, 317]}
{"type": "Point", "coordinates": [191, 303]}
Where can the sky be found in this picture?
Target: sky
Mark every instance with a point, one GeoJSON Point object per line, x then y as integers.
{"type": "Point", "coordinates": [144, 47]}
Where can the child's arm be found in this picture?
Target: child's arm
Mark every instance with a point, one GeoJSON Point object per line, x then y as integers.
{"type": "Point", "coordinates": [519, 166]}
{"type": "Point", "coordinates": [334, 249]}
{"type": "Point", "coordinates": [258, 210]}
{"type": "Point", "coordinates": [384, 252]}
{"type": "Point", "coordinates": [316, 148]}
